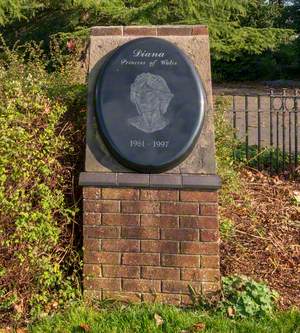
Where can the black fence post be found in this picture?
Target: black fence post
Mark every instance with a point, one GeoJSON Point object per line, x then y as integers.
{"type": "Point", "coordinates": [296, 126]}
{"type": "Point", "coordinates": [258, 130]}
{"type": "Point", "coordinates": [271, 129]}
{"type": "Point", "coordinates": [247, 126]}
{"type": "Point", "coordinates": [283, 127]}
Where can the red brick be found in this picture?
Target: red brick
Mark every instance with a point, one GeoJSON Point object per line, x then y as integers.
{"type": "Point", "coordinates": [159, 246]}
{"type": "Point", "coordinates": [159, 221]}
{"type": "Point", "coordinates": [160, 273]}
{"type": "Point", "coordinates": [178, 208]}
{"type": "Point", "coordinates": [144, 207]}
{"type": "Point", "coordinates": [140, 259]}
{"type": "Point", "coordinates": [209, 235]}
{"type": "Point", "coordinates": [202, 222]}
{"type": "Point", "coordinates": [120, 193]}
{"type": "Point", "coordinates": [91, 244]}
{"type": "Point", "coordinates": [121, 271]}
{"type": "Point", "coordinates": [210, 287]}
{"type": "Point", "coordinates": [102, 232]}
{"type": "Point", "coordinates": [210, 261]}
{"type": "Point", "coordinates": [122, 296]}
{"type": "Point", "coordinates": [121, 245]}
{"type": "Point", "coordinates": [209, 248]}
{"type": "Point", "coordinates": [107, 31]}
{"type": "Point", "coordinates": [180, 234]}
{"type": "Point", "coordinates": [140, 31]}
{"type": "Point", "coordinates": [162, 298]}
{"type": "Point", "coordinates": [180, 260]}
{"type": "Point", "coordinates": [91, 218]}
{"type": "Point", "coordinates": [200, 30]}
{"type": "Point", "coordinates": [120, 219]}
{"type": "Point", "coordinates": [174, 31]}
{"type": "Point", "coordinates": [92, 193]}
{"type": "Point", "coordinates": [91, 257]}
{"type": "Point", "coordinates": [195, 274]}
{"type": "Point", "coordinates": [140, 232]}
{"type": "Point", "coordinates": [190, 247]}
{"type": "Point", "coordinates": [187, 300]}
{"type": "Point", "coordinates": [103, 206]}
{"type": "Point", "coordinates": [199, 248]}
{"type": "Point", "coordinates": [177, 287]}
{"type": "Point", "coordinates": [102, 283]}
{"type": "Point", "coordinates": [141, 285]}
{"type": "Point", "coordinates": [161, 195]}
{"type": "Point", "coordinates": [208, 210]}
{"type": "Point", "coordinates": [198, 196]}
{"type": "Point", "coordinates": [92, 271]}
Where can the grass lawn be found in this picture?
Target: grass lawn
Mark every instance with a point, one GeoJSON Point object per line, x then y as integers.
{"type": "Point", "coordinates": [160, 318]}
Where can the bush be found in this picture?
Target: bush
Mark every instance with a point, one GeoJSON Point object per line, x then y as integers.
{"type": "Point", "coordinates": [39, 149]}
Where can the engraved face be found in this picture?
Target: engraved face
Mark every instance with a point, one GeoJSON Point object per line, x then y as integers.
{"type": "Point", "coordinates": [151, 96]}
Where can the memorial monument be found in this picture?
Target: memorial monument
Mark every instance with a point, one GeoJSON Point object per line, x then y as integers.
{"type": "Point", "coordinates": [149, 186]}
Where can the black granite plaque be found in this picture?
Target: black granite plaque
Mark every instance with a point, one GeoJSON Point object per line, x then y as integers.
{"type": "Point", "coordinates": [150, 104]}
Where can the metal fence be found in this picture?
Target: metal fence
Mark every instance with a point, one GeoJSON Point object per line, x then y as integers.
{"type": "Point", "coordinates": [267, 125]}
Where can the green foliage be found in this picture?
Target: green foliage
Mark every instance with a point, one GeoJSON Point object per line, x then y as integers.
{"type": "Point", "coordinates": [244, 297]}
{"type": "Point", "coordinates": [120, 318]}
{"type": "Point", "coordinates": [283, 62]}
{"type": "Point", "coordinates": [38, 262]}
{"type": "Point", "coordinates": [19, 9]}
{"type": "Point", "coordinates": [268, 157]}
{"type": "Point", "coordinates": [227, 169]}
{"type": "Point", "coordinates": [234, 31]}
{"type": "Point", "coordinates": [262, 14]}
{"type": "Point", "coordinates": [227, 228]}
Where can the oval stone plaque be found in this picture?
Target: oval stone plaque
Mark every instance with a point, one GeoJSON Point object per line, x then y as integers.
{"type": "Point", "coordinates": [150, 104]}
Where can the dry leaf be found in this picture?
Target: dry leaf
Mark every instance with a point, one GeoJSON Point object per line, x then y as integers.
{"type": "Point", "coordinates": [231, 311]}
{"type": "Point", "coordinates": [297, 196]}
{"type": "Point", "coordinates": [55, 305]}
{"type": "Point", "coordinates": [22, 330]}
{"type": "Point", "coordinates": [198, 327]}
{"type": "Point", "coordinates": [158, 319]}
{"type": "Point", "coordinates": [18, 308]}
{"type": "Point", "coordinates": [85, 327]}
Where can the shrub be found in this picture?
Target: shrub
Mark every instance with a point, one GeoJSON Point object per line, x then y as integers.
{"type": "Point", "coordinates": [244, 297]}
{"type": "Point", "coordinates": [39, 148]}
{"type": "Point", "coordinates": [241, 297]}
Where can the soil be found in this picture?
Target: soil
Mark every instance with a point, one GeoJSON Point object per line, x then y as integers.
{"type": "Point", "coordinates": [265, 240]}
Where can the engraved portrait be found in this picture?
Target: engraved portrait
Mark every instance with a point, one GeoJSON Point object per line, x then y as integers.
{"type": "Point", "coordinates": [151, 96]}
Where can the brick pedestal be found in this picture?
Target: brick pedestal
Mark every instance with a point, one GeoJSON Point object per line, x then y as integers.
{"type": "Point", "coordinates": [148, 237]}
{"type": "Point", "coordinates": [147, 245]}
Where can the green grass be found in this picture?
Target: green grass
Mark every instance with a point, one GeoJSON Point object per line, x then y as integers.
{"type": "Point", "coordinates": [140, 319]}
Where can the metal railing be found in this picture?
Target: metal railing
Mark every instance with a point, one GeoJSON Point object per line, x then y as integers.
{"type": "Point", "coordinates": [268, 126]}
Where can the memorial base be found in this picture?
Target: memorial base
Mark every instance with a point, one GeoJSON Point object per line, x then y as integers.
{"type": "Point", "coordinates": [150, 244]}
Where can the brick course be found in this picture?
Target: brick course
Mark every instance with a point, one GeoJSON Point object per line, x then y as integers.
{"type": "Point", "coordinates": [169, 30]}
{"type": "Point", "coordinates": [149, 244]}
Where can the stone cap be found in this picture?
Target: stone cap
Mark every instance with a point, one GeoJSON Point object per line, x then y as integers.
{"type": "Point", "coordinates": [150, 30]}
{"type": "Point", "coordinates": [139, 180]}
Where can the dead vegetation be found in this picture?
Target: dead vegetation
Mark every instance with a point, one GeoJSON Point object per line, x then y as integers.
{"type": "Point", "coordinates": [264, 237]}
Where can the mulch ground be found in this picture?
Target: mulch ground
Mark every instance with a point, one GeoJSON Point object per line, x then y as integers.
{"type": "Point", "coordinates": [265, 242]}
